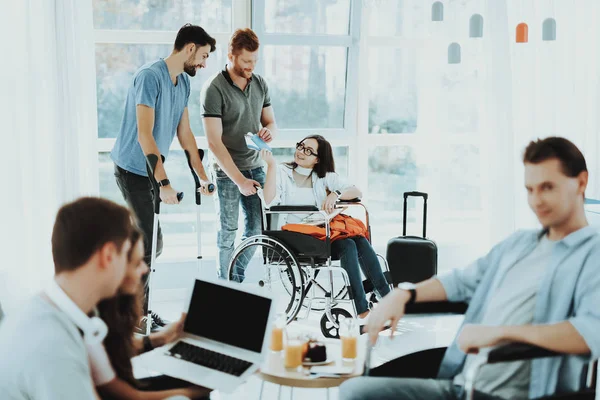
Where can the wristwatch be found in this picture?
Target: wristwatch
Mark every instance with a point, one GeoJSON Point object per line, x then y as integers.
{"type": "Point", "coordinates": [164, 182]}
{"type": "Point", "coordinates": [412, 288]}
{"type": "Point", "coordinates": [147, 344]}
{"type": "Point", "coordinates": [338, 193]}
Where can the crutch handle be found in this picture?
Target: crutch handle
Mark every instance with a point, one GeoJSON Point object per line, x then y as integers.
{"type": "Point", "coordinates": [211, 186]}
{"type": "Point", "coordinates": [151, 162]}
{"type": "Point", "coordinates": [179, 197]}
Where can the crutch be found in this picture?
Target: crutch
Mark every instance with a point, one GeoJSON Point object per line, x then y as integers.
{"type": "Point", "coordinates": [151, 161]}
{"type": "Point", "coordinates": [211, 188]}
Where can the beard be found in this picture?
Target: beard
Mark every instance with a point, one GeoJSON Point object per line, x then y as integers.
{"type": "Point", "coordinates": [189, 68]}
{"type": "Point", "coordinates": [239, 72]}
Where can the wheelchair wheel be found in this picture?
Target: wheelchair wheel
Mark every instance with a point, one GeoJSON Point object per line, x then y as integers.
{"type": "Point", "coordinates": [327, 328]}
{"type": "Point", "coordinates": [342, 293]}
{"type": "Point", "coordinates": [274, 270]}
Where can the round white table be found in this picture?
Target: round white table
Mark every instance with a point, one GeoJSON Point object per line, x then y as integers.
{"type": "Point", "coordinates": [273, 369]}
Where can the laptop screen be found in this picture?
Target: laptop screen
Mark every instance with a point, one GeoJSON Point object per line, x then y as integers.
{"type": "Point", "coordinates": [228, 316]}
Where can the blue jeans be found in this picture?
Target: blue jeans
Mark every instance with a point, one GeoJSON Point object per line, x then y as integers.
{"type": "Point", "coordinates": [227, 203]}
{"type": "Point", "coordinates": [355, 253]}
{"type": "Point", "coordinates": [366, 388]}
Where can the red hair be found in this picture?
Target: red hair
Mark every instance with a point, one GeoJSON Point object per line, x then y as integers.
{"type": "Point", "coordinates": [243, 39]}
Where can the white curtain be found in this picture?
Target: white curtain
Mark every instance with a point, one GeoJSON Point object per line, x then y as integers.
{"type": "Point", "coordinates": [49, 133]}
{"type": "Point", "coordinates": [476, 117]}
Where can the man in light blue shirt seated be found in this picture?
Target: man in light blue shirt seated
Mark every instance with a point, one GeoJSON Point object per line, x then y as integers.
{"type": "Point", "coordinates": [537, 287]}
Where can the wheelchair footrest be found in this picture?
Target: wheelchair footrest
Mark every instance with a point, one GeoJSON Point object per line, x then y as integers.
{"type": "Point", "coordinates": [388, 277]}
{"type": "Point", "coordinates": [368, 286]}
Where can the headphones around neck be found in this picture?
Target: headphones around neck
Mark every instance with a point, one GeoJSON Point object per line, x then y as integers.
{"type": "Point", "coordinates": [94, 329]}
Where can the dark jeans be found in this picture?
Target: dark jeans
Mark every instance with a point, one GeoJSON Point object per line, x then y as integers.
{"type": "Point", "coordinates": [138, 194]}
{"type": "Point", "coordinates": [357, 254]}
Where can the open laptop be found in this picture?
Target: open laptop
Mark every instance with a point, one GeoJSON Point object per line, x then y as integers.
{"type": "Point", "coordinates": [226, 333]}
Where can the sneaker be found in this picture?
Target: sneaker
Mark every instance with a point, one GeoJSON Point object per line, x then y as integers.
{"type": "Point", "coordinates": [140, 328]}
{"type": "Point", "coordinates": [157, 324]}
{"type": "Point", "coordinates": [156, 319]}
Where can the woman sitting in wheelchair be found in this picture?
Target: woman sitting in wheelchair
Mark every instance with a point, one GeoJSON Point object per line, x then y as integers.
{"type": "Point", "coordinates": [311, 180]}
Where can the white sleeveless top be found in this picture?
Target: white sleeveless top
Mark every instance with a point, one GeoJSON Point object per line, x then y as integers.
{"type": "Point", "coordinates": [303, 195]}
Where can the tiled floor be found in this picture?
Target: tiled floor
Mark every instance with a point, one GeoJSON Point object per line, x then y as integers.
{"type": "Point", "coordinates": [413, 333]}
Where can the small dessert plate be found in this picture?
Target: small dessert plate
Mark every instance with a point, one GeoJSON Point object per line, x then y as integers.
{"type": "Point", "coordinates": [311, 363]}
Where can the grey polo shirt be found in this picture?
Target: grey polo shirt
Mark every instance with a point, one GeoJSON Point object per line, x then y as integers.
{"type": "Point", "coordinates": [240, 113]}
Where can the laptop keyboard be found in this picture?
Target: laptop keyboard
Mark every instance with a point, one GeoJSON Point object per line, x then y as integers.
{"type": "Point", "coordinates": [209, 359]}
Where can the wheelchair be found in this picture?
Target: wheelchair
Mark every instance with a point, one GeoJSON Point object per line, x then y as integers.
{"type": "Point", "coordinates": [289, 263]}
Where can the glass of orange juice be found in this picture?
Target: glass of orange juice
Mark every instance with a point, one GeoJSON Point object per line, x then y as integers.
{"type": "Point", "coordinates": [294, 345]}
{"type": "Point", "coordinates": [277, 332]}
{"type": "Point", "coordinates": [349, 337]}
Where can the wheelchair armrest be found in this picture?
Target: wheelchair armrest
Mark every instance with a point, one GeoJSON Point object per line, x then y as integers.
{"type": "Point", "coordinates": [510, 352]}
{"type": "Point", "coordinates": [293, 208]}
{"type": "Point", "coordinates": [350, 201]}
{"type": "Point", "coordinates": [437, 307]}
{"type": "Point", "coordinates": [518, 351]}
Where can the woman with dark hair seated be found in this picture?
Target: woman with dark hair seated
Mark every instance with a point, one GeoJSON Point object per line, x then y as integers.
{"type": "Point", "coordinates": [111, 366]}
{"type": "Point", "coordinates": [311, 180]}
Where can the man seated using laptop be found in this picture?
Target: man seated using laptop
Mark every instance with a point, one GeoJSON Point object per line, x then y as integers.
{"type": "Point", "coordinates": [43, 346]}
{"type": "Point", "coordinates": [539, 287]}
{"type": "Point", "coordinates": [225, 337]}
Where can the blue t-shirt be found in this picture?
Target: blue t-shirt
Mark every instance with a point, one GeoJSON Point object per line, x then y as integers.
{"type": "Point", "coordinates": [152, 87]}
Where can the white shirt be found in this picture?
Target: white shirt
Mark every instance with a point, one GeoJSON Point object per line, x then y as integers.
{"type": "Point", "coordinates": [43, 355]}
{"type": "Point", "coordinates": [101, 368]}
{"type": "Point", "coordinates": [286, 188]}
{"type": "Point", "coordinates": [94, 330]}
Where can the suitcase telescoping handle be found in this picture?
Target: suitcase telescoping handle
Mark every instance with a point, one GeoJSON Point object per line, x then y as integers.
{"type": "Point", "coordinates": [415, 194]}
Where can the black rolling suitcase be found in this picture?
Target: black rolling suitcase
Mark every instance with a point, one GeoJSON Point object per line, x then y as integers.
{"type": "Point", "coordinates": [412, 258]}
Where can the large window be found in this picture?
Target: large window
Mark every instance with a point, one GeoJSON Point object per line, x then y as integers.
{"type": "Point", "coordinates": [423, 127]}
{"type": "Point", "coordinates": [162, 15]}
{"type": "Point", "coordinates": [370, 75]}
{"type": "Point", "coordinates": [393, 105]}
{"type": "Point", "coordinates": [305, 52]}
{"type": "Point", "coordinates": [308, 85]}
{"type": "Point", "coordinates": [329, 17]}
{"type": "Point", "coordinates": [129, 34]}
{"type": "Point", "coordinates": [307, 58]}
{"type": "Point", "coordinates": [115, 66]}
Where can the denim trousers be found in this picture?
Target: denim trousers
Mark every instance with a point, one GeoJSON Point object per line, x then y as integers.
{"type": "Point", "coordinates": [138, 194]}
{"type": "Point", "coordinates": [379, 388]}
{"type": "Point", "coordinates": [357, 254]}
{"type": "Point", "coordinates": [227, 203]}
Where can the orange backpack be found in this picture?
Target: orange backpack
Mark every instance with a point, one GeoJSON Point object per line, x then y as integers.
{"type": "Point", "coordinates": [341, 227]}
